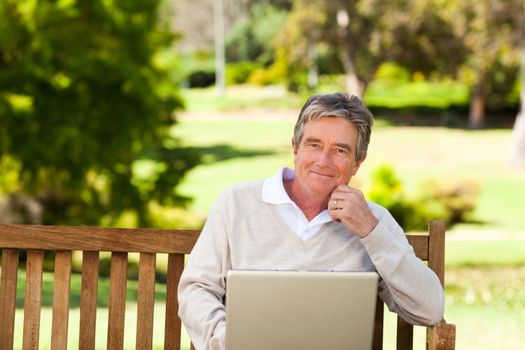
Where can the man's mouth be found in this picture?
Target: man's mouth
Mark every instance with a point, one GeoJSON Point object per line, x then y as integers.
{"type": "Point", "coordinates": [321, 174]}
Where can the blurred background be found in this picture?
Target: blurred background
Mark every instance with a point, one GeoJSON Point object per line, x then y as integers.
{"type": "Point", "coordinates": [139, 113]}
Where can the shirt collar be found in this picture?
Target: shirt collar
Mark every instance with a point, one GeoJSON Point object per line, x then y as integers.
{"type": "Point", "coordinates": [273, 191]}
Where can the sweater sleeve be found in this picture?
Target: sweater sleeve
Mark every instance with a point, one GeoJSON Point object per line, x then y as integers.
{"type": "Point", "coordinates": [202, 285]}
{"type": "Point", "coordinates": [407, 286]}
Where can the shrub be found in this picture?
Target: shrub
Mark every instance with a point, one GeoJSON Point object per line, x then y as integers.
{"type": "Point", "coordinates": [451, 202]}
{"type": "Point", "coordinates": [201, 78]}
{"type": "Point", "coordinates": [239, 72]}
{"type": "Point", "coordinates": [387, 190]}
{"type": "Point", "coordinates": [458, 198]}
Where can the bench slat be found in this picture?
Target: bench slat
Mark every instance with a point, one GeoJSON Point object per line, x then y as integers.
{"type": "Point", "coordinates": [146, 301]}
{"type": "Point", "coordinates": [8, 297]}
{"type": "Point", "coordinates": [405, 335]}
{"type": "Point", "coordinates": [436, 245]}
{"type": "Point", "coordinates": [377, 343]}
{"type": "Point", "coordinates": [420, 244]}
{"type": "Point", "coordinates": [173, 324]}
{"type": "Point", "coordinates": [61, 300]}
{"type": "Point", "coordinates": [97, 239]}
{"type": "Point", "coordinates": [88, 300]}
{"type": "Point", "coordinates": [33, 298]}
{"type": "Point", "coordinates": [117, 300]}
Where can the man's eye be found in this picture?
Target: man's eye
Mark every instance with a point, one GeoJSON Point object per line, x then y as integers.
{"type": "Point", "coordinates": [342, 151]}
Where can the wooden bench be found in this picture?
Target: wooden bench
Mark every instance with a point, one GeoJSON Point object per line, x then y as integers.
{"type": "Point", "coordinates": [63, 240]}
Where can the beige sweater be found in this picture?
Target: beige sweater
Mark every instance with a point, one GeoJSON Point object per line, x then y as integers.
{"type": "Point", "coordinates": [242, 232]}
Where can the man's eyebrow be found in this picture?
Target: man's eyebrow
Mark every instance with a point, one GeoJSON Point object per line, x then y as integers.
{"type": "Point", "coordinates": [312, 139]}
{"type": "Point", "coordinates": [342, 145]}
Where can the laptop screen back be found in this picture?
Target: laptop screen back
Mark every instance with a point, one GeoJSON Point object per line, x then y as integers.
{"type": "Point", "coordinates": [300, 310]}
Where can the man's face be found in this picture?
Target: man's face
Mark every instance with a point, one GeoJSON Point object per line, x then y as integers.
{"type": "Point", "coordinates": [325, 157]}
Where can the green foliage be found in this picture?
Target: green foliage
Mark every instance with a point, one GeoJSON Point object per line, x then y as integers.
{"type": "Point", "coordinates": [196, 69]}
{"type": "Point", "coordinates": [435, 200]}
{"type": "Point", "coordinates": [392, 72]}
{"type": "Point", "coordinates": [249, 39]}
{"type": "Point", "coordinates": [239, 72]}
{"type": "Point", "coordinates": [386, 190]}
{"type": "Point", "coordinates": [82, 97]}
{"type": "Point", "coordinates": [457, 199]}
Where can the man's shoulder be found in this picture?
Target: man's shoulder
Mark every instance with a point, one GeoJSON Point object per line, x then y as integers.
{"type": "Point", "coordinates": [244, 188]}
{"type": "Point", "coordinates": [242, 193]}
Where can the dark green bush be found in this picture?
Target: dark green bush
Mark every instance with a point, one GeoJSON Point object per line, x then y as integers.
{"type": "Point", "coordinates": [201, 78]}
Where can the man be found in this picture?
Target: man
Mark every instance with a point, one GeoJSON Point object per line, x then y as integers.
{"type": "Point", "coordinates": [307, 219]}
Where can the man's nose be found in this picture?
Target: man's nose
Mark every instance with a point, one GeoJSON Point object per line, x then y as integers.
{"type": "Point", "coordinates": [324, 158]}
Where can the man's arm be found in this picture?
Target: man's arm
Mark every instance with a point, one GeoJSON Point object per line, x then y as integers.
{"type": "Point", "coordinates": [407, 286]}
{"type": "Point", "coordinates": [202, 285]}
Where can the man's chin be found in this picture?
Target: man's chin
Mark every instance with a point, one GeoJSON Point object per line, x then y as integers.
{"type": "Point", "coordinates": [323, 193]}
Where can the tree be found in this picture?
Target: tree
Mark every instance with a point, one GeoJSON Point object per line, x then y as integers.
{"type": "Point", "coordinates": [488, 29]}
{"type": "Point", "coordinates": [369, 33]}
{"type": "Point", "coordinates": [296, 42]}
{"type": "Point", "coordinates": [82, 98]}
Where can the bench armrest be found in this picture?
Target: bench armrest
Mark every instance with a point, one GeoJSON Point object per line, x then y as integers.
{"type": "Point", "coordinates": [441, 336]}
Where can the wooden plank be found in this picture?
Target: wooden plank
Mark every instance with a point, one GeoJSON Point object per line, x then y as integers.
{"type": "Point", "coordinates": [146, 301]}
{"type": "Point", "coordinates": [117, 300]}
{"type": "Point", "coordinates": [441, 337]}
{"type": "Point", "coordinates": [33, 299]}
{"type": "Point", "coordinates": [61, 300]}
{"type": "Point", "coordinates": [8, 283]}
{"type": "Point", "coordinates": [377, 343]}
{"type": "Point", "coordinates": [172, 327]}
{"type": "Point", "coordinates": [436, 247]}
{"type": "Point", "coordinates": [97, 239]}
{"type": "Point", "coordinates": [420, 244]}
{"type": "Point", "coordinates": [405, 335]}
{"type": "Point", "coordinates": [88, 300]}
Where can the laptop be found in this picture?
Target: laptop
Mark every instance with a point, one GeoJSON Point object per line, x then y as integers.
{"type": "Point", "coordinates": [274, 310]}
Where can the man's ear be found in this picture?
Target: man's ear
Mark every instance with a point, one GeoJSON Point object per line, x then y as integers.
{"type": "Point", "coordinates": [294, 146]}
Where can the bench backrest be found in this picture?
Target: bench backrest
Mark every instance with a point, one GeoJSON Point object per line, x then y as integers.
{"type": "Point", "coordinates": [90, 240]}
{"type": "Point", "coordinates": [63, 240]}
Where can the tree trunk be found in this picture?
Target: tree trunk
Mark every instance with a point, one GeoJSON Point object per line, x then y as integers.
{"type": "Point", "coordinates": [476, 117]}
{"type": "Point", "coordinates": [313, 74]}
{"type": "Point", "coordinates": [517, 147]}
{"type": "Point", "coordinates": [220, 56]}
{"type": "Point", "coordinates": [354, 85]}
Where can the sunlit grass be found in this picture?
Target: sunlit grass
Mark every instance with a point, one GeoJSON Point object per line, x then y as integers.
{"type": "Point", "coordinates": [423, 93]}
{"type": "Point", "coordinates": [389, 94]}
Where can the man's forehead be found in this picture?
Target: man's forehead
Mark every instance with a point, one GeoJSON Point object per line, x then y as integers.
{"type": "Point", "coordinates": [318, 126]}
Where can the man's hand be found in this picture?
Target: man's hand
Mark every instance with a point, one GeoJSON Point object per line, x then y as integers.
{"type": "Point", "coordinates": [348, 206]}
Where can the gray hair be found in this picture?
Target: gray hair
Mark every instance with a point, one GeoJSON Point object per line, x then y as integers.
{"type": "Point", "coordinates": [339, 105]}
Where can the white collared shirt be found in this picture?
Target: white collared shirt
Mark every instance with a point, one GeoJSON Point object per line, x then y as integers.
{"type": "Point", "coordinates": [273, 192]}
